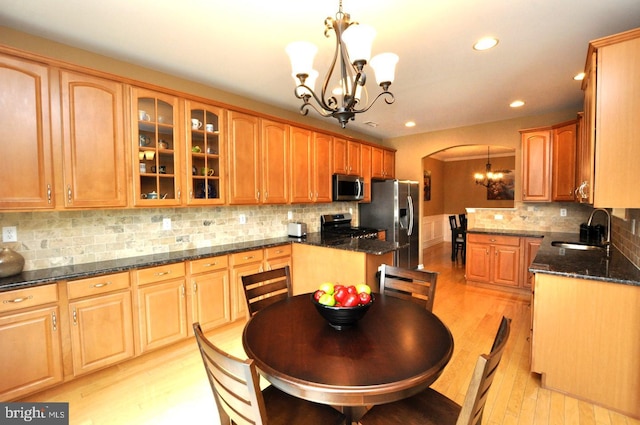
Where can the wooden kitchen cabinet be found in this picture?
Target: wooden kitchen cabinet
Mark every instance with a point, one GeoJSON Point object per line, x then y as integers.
{"type": "Point", "coordinates": [101, 317]}
{"type": "Point", "coordinates": [161, 305]}
{"type": "Point", "coordinates": [274, 164]}
{"type": "Point", "coordinates": [563, 167]}
{"type": "Point", "coordinates": [493, 260]}
{"type": "Point", "coordinates": [310, 166]}
{"type": "Point", "coordinates": [617, 128]}
{"type": "Point", "coordinates": [382, 163]}
{"type": "Point", "coordinates": [530, 249]}
{"type": "Point", "coordinates": [346, 156]}
{"type": "Point", "coordinates": [94, 166]}
{"type": "Point", "coordinates": [205, 154]}
{"type": "Point", "coordinates": [536, 165]}
{"type": "Point", "coordinates": [157, 145]}
{"type": "Point", "coordinates": [251, 262]}
{"type": "Point", "coordinates": [25, 128]}
{"type": "Point", "coordinates": [210, 293]}
{"type": "Point", "coordinates": [258, 151]}
{"type": "Point", "coordinates": [31, 354]}
{"type": "Point", "coordinates": [242, 264]}
{"type": "Point", "coordinates": [585, 340]}
{"type": "Point", "coordinates": [549, 163]}
{"type": "Point", "coordinates": [366, 156]}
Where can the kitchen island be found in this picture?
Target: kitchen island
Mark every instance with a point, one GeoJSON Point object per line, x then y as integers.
{"type": "Point", "coordinates": [585, 338]}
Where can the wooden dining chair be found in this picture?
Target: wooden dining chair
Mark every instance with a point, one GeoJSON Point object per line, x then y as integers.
{"type": "Point", "coordinates": [236, 389]}
{"type": "Point", "coordinates": [433, 408]}
{"type": "Point", "coordinates": [414, 285]}
{"type": "Point", "coordinates": [458, 237]}
{"type": "Point", "coordinates": [265, 288]}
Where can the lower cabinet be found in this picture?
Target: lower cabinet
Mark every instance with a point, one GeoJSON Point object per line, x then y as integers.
{"type": "Point", "coordinates": [161, 305]}
{"type": "Point", "coordinates": [101, 321]}
{"type": "Point", "coordinates": [493, 259]}
{"type": "Point", "coordinates": [209, 296]}
{"type": "Point", "coordinates": [31, 353]}
{"type": "Point", "coordinates": [250, 262]}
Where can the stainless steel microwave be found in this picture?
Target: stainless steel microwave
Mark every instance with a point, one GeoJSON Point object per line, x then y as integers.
{"type": "Point", "coordinates": [348, 188]}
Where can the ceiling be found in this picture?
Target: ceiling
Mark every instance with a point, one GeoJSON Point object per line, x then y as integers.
{"type": "Point", "coordinates": [441, 82]}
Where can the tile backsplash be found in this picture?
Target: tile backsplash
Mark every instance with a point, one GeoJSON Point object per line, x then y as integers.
{"type": "Point", "coordinates": [545, 217]}
{"type": "Point", "coordinates": [52, 239]}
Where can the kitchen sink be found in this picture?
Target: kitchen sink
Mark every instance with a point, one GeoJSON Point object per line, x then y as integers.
{"type": "Point", "coordinates": [582, 246]}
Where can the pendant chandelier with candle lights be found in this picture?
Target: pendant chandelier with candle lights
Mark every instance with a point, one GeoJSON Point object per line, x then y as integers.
{"type": "Point", "coordinates": [489, 176]}
{"type": "Point", "coordinates": [353, 52]}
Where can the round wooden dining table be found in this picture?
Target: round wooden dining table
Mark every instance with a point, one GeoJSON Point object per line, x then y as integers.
{"type": "Point", "coordinates": [395, 351]}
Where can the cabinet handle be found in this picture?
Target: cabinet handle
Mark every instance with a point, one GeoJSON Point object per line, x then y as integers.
{"type": "Point", "coordinates": [492, 240]}
{"type": "Point", "coordinates": [101, 285]}
{"type": "Point", "coordinates": [75, 317]}
{"type": "Point", "coordinates": [163, 273]}
{"type": "Point", "coordinates": [182, 290]}
{"type": "Point", "coordinates": [195, 286]}
{"type": "Point", "coordinates": [69, 193]}
{"type": "Point", "coordinates": [266, 195]}
{"type": "Point", "coordinates": [54, 321]}
{"type": "Point", "coordinates": [210, 264]}
{"type": "Point", "coordinates": [179, 194]}
{"type": "Point", "coordinates": [17, 300]}
{"type": "Point", "coordinates": [258, 194]}
{"type": "Point", "coordinates": [191, 194]}
{"type": "Point", "coordinates": [48, 193]}
{"type": "Point", "coordinates": [247, 257]}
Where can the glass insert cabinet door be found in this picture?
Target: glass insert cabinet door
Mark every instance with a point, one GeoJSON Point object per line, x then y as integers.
{"type": "Point", "coordinates": [204, 152]}
{"type": "Point", "coordinates": [156, 142]}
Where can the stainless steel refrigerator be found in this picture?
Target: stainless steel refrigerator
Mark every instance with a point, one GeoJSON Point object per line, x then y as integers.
{"type": "Point", "coordinates": [394, 207]}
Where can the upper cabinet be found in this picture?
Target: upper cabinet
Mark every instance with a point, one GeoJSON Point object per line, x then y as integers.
{"type": "Point", "coordinates": [205, 150]}
{"type": "Point", "coordinates": [156, 145]}
{"type": "Point", "coordinates": [26, 151]}
{"type": "Point", "coordinates": [615, 126]}
{"type": "Point", "coordinates": [536, 165]}
{"type": "Point", "coordinates": [549, 163]}
{"type": "Point", "coordinates": [346, 157]}
{"type": "Point", "coordinates": [382, 163]}
{"type": "Point", "coordinates": [244, 158]}
{"type": "Point", "coordinates": [258, 160]}
{"type": "Point", "coordinates": [563, 167]}
{"type": "Point", "coordinates": [310, 166]}
{"type": "Point", "coordinates": [94, 166]}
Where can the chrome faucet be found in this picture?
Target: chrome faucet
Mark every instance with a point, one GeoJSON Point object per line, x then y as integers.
{"type": "Point", "coordinates": [608, 243]}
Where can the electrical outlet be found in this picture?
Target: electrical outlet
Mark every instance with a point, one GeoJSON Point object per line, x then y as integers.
{"type": "Point", "coordinates": [498, 216]}
{"type": "Point", "coordinates": [290, 215]}
{"type": "Point", "coordinates": [166, 224]}
{"type": "Point", "coordinates": [9, 234]}
{"type": "Point", "coordinates": [242, 218]}
{"type": "Point", "coordinates": [633, 226]}
{"type": "Point", "coordinates": [563, 212]}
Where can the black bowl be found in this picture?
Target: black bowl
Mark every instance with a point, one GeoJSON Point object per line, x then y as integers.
{"type": "Point", "coordinates": [342, 317]}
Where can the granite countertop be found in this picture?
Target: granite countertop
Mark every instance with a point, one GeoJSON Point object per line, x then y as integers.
{"type": "Point", "coordinates": [592, 265]}
{"type": "Point", "coordinates": [79, 271]}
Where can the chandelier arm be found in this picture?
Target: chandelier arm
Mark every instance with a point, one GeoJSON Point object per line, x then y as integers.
{"type": "Point", "coordinates": [390, 98]}
{"type": "Point", "coordinates": [306, 96]}
{"type": "Point", "coordinates": [304, 109]}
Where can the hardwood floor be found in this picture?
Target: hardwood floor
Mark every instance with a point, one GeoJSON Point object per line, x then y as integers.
{"type": "Point", "coordinates": [169, 386]}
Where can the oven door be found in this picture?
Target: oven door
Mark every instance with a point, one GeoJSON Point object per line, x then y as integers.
{"type": "Point", "coordinates": [347, 188]}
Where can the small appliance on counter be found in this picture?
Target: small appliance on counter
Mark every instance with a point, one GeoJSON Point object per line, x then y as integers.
{"type": "Point", "coordinates": [297, 230]}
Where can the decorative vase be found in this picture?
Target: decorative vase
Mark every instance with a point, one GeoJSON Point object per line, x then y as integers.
{"type": "Point", "coordinates": [11, 263]}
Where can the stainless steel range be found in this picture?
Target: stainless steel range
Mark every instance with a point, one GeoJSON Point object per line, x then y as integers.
{"type": "Point", "coordinates": [338, 226]}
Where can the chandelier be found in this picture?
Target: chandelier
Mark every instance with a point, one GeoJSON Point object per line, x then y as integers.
{"type": "Point", "coordinates": [488, 177]}
{"type": "Point", "coordinates": [353, 52]}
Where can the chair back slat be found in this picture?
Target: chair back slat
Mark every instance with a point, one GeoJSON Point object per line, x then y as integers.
{"type": "Point", "coordinates": [264, 288]}
{"type": "Point", "coordinates": [482, 378]}
{"type": "Point", "coordinates": [415, 285]}
{"type": "Point", "coordinates": [235, 383]}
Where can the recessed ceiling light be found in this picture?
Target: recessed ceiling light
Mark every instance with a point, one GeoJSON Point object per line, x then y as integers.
{"type": "Point", "coordinates": [516, 103]}
{"type": "Point", "coordinates": [410, 124]}
{"type": "Point", "coordinates": [579, 77]}
{"type": "Point", "coordinates": [485, 43]}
